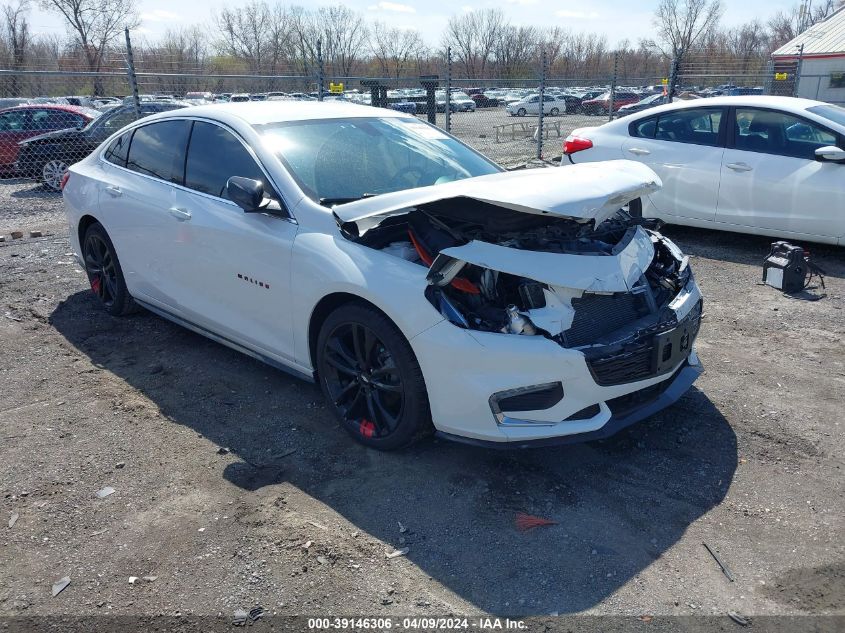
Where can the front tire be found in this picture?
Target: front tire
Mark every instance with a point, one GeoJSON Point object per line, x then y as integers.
{"type": "Point", "coordinates": [554, 112]}
{"type": "Point", "coordinates": [371, 378]}
{"type": "Point", "coordinates": [521, 112]}
{"type": "Point", "coordinates": [104, 272]}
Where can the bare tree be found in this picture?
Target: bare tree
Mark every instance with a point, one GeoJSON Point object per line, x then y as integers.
{"type": "Point", "coordinates": [344, 36]}
{"type": "Point", "coordinates": [244, 33]}
{"type": "Point", "coordinates": [516, 51]}
{"type": "Point", "coordinates": [473, 37]}
{"type": "Point", "coordinates": [395, 50]}
{"type": "Point", "coordinates": [17, 32]}
{"type": "Point", "coordinates": [681, 23]}
{"type": "Point", "coordinates": [94, 25]}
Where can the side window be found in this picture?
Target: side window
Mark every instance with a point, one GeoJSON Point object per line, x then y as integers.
{"type": "Point", "coordinates": [779, 133]}
{"type": "Point", "coordinates": [214, 156]}
{"type": "Point", "coordinates": [55, 120]}
{"type": "Point", "coordinates": [13, 121]}
{"type": "Point", "coordinates": [158, 150]}
{"type": "Point", "coordinates": [699, 126]}
{"type": "Point", "coordinates": [118, 150]}
{"type": "Point", "coordinates": [644, 128]}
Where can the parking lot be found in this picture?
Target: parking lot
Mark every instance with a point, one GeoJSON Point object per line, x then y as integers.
{"type": "Point", "coordinates": [234, 487]}
{"type": "Point", "coordinates": [478, 129]}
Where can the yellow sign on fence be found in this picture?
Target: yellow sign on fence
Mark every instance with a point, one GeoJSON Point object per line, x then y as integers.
{"type": "Point", "coordinates": [336, 88]}
{"type": "Point", "coordinates": [781, 76]}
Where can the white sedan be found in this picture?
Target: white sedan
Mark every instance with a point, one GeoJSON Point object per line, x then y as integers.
{"type": "Point", "coordinates": [409, 276]}
{"type": "Point", "coordinates": [763, 165]}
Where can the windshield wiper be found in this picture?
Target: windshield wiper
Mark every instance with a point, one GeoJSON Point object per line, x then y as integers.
{"type": "Point", "coordinates": [330, 202]}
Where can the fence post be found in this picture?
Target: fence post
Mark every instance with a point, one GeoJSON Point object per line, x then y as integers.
{"type": "Point", "coordinates": [542, 105]}
{"type": "Point", "coordinates": [130, 70]}
{"type": "Point", "coordinates": [321, 78]}
{"type": "Point", "coordinates": [448, 88]}
{"type": "Point", "coordinates": [673, 75]}
{"type": "Point", "coordinates": [798, 65]}
{"type": "Point", "coordinates": [613, 85]}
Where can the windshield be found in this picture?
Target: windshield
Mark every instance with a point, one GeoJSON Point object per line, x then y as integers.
{"type": "Point", "coordinates": [338, 160]}
{"type": "Point", "coordinates": [833, 113]}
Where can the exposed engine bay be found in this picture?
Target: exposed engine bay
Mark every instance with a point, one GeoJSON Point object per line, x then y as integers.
{"type": "Point", "coordinates": [603, 321]}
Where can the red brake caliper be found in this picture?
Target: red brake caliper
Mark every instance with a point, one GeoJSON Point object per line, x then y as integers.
{"type": "Point", "coordinates": [95, 284]}
{"type": "Point", "coordinates": [366, 428]}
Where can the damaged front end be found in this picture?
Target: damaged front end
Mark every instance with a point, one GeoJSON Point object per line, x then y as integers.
{"type": "Point", "coordinates": [606, 284]}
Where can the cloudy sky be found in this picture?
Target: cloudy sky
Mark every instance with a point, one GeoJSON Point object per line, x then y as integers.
{"type": "Point", "coordinates": [617, 19]}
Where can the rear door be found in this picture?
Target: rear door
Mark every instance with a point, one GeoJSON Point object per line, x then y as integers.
{"type": "Point", "coordinates": [15, 126]}
{"type": "Point", "coordinates": [136, 202]}
{"type": "Point", "coordinates": [772, 181]}
{"type": "Point", "coordinates": [684, 147]}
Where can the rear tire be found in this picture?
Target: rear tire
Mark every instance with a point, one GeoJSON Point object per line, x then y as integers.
{"type": "Point", "coordinates": [52, 173]}
{"type": "Point", "coordinates": [554, 111]}
{"type": "Point", "coordinates": [521, 112]}
{"type": "Point", "coordinates": [371, 378]}
{"type": "Point", "coordinates": [104, 272]}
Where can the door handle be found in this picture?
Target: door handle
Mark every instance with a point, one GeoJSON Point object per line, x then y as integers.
{"type": "Point", "coordinates": [739, 166]}
{"type": "Point", "coordinates": [114, 190]}
{"type": "Point", "coordinates": [639, 151]}
{"type": "Point", "coordinates": [180, 214]}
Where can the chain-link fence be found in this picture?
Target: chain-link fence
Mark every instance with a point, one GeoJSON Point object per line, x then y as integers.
{"type": "Point", "coordinates": [521, 115]}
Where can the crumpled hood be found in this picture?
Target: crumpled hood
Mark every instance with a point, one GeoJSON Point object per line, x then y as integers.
{"type": "Point", "coordinates": [583, 192]}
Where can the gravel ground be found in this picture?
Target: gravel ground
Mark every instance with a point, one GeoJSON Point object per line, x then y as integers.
{"type": "Point", "coordinates": [234, 487]}
{"type": "Point", "coordinates": [477, 129]}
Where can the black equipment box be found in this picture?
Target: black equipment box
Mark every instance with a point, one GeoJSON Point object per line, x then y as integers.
{"type": "Point", "coordinates": [785, 267]}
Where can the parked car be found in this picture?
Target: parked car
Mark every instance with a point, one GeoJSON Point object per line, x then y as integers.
{"type": "Point", "coordinates": [415, 281]}
{"type": "Point", "coordinates": [240, 97]}
{"type": "Point", "coordinates": [571, 103]}
{"type": "Point", "coordinates": [530, 105]}
{"type": "Point", "coordinates": [462, 101]}
{"type": "Point", "coordinates": [199, 97]}
{"type": "Point", "coordinates": [46, 157]}
{"type": "Point", "coordinates": [22, 122]}
{"type": "Point", "coordinates": [763, 165]}
{"type": "Point", "coordinates": [408, 107]}
{"type": "Point", "coordinates": [649, 102]}
{"type": "Point", "coordinates": [601, 104]}
{"type": "Point", "coordinates": [485, 101]}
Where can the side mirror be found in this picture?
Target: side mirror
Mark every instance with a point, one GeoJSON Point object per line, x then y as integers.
{"type": "Point", "coordinates": [831, 153]}
{"type": "Point", "coordinates": [247, 193]}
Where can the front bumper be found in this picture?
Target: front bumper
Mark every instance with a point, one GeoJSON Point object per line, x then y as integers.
{"type": "Point", "coordinates": [650, 404]}
{"type": "Point", "coordinates": [464, 368]}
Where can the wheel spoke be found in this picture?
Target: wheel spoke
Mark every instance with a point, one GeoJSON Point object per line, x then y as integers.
{"type": "Point", "coordinates": [384, 386]}
{"type": "Point", "coordinates": [340, 359]}
{"type": "Point", "coordinates": [371, 408]}
{"type": "Point", "coordinates": [345, 391]}
{"type": "Point", "coordinates": [358, 334]}
{"type": "Point", "coordinates": [381, 410]}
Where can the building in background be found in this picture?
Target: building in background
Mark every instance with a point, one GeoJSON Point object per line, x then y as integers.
{"type": "Point", "coordinates": [821, 69]}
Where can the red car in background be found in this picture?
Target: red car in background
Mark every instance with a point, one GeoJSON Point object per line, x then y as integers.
{"type": "Point", "coordinates": [601, 104]}
{"type": "Point", "coordinates": [22, 122]}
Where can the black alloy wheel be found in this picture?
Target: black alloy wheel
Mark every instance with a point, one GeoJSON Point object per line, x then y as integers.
{"type": "Point", "coordinates": [370, 377]}
{"type": "Point", "coordinates": [104, 273]}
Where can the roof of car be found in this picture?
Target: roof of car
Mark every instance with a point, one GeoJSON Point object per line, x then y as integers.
{"type": "Point", "coordinates": [261, 112]}
{"type": "Point", "coordinates": [84, 111]}
{"type": "Point", "coordinates": [790, 104]}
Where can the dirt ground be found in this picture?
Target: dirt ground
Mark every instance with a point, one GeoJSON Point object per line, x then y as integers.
{"type": "Point", "coordinates": [234, 487]}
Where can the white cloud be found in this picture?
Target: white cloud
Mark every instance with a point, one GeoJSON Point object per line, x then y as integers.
{"type": "Point", "coordinates": [577, 15]}
{"type": "Point", "coordinates": [467, 9]}
{"type": "Point", "coordinates": [392, 6]}
{"type": "Point", "coordinates": [159, 15]}
{"type": "Point", "coordinates": [522, 2]}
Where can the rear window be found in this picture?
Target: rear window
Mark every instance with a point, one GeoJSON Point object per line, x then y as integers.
{"type": "Point", "coordinates": [118, 150]}
{"type": "Point", "coordinates": [698, 126]}
{"type": "Point", "coordinates": [158, 150]}
{"type": "Point", "coordinates": [833, 113]}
